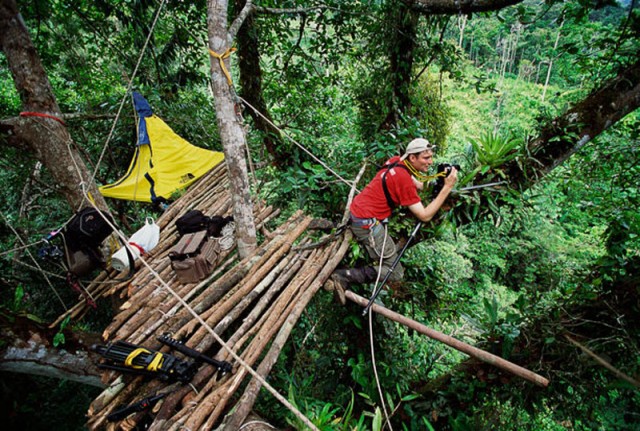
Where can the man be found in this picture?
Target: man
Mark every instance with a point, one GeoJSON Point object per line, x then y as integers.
{"type": "Point", "coordinates": [396, 184]}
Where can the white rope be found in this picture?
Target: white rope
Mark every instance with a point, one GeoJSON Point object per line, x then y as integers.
{"type": "Point", "coordinates": [373, 353]}
{"type": "Point", "coordinates": [218, 339]}
{"type": "Point", "coordinates": [256, 422]}
{"type": "Point", "coordinates": [349, 183]}
{"type": "Point", "coordinates": [126, 93]}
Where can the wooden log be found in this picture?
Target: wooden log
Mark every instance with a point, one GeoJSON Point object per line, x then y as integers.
{"type": "Point", "coordinates": [209, 400]}
{"type": "Point", "coordinates": [183, 321]}
{"type": "Point", "coordinates": [258, 310]}
{"type": "Point", "coordinates": [282, 246]}
{"type": "Point", "coordinates": [293, 301]}
{"type": "Point", "coordinates": [246, 402]}
{"type": "Point", "coordinates": [249, 323]}
{"type": "Point", "coordinates": [299, 279]}
{"type": "Point", "coordinates": [155, 324]}
{"type": "Point", "coordinates": [137, 341]}
{"type": "Point", "coordinates": [463, 347]}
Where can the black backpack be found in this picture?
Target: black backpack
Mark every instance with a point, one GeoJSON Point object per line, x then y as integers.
{"type": "Point", "coordinates": [82, 237]}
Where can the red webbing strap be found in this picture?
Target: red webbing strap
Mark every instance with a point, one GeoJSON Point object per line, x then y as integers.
{"type": "Point", "coordinates": [43, 115]}
{"type": "Point", "coordinates": [133, 244]}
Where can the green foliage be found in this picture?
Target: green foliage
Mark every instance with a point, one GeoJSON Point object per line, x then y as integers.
{"type": "Point", "coordinates": [18, 299]}
{"type": "Point", "coordinates": [325, 416]}
{"type": "Point", "coordinates": [499, 330]}
{"type": "Point", "coordinates": [59, 338]}
{"type": "Point", "coordinates": [512, 281]}
{"type": "Point", "coordinates": [493, 149]}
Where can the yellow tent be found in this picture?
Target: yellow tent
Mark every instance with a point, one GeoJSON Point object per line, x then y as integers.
{"type": "Point", "coordinates": [163, 161]}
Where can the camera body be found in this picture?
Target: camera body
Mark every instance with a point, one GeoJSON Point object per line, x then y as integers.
{"type": "Point", "coordinates": [443, 168]}
{"type": "Point", "coordinates": [446, 167]}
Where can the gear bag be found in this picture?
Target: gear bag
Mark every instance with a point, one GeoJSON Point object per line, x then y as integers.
{"type": "Point", "coordinates": [83, 237]}
{"type": "Point", "coordinates": [192, 221]}
{"type": "Point", "coordinates": [194, 256]}
{"type": "Point", "coordinates": [195, 220]}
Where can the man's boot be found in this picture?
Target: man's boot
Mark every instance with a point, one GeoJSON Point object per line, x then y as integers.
{"type": "Point", "coordinates": [363, 275]}
{"type": "Point", "coordinates": [342, 278]}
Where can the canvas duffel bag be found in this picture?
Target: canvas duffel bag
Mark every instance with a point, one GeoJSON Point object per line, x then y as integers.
{"type": "Point", "coordinates": [194, 256]}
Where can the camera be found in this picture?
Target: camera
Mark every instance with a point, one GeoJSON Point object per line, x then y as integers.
{"type": "Point", "coordinates": [444, 169]}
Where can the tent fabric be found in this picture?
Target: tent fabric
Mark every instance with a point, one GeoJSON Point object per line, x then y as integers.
{"type": "Point", "coordinates": [163, 162]}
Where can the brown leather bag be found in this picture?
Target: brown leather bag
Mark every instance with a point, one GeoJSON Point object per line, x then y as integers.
{"type": "Point", "coordinates": [194, 256]}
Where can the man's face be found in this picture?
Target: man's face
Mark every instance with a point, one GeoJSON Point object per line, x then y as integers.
{"type": "Point", "coordinates": [421, 161]}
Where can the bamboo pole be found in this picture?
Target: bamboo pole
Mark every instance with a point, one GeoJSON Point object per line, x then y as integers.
{"type": "Point", "coordinates": [463, 347]}
{"type": "Point", "coordinates": [245, 405]}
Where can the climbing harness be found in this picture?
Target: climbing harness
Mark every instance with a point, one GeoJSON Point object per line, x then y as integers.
{"type": "Point", "coordinates": [392, 268]}
{"type": "Point", "coordinates": [411, 170]}
{"type": "Point", "coordinates": [385, 188]}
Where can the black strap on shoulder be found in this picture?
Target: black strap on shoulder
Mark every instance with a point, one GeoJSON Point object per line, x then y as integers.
{"type": "Point", "coordinates": [385, 188]}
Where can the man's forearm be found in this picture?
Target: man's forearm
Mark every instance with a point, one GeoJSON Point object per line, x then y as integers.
{"type": "Point", "coordinates": [425, 214]}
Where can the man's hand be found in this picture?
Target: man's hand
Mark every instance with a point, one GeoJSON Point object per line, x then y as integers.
{"type": "Point", "coordinates": [450, 180]}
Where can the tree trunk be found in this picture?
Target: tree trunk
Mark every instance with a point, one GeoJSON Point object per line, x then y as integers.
{"type": "Point", "coordinates": [565, 135]}
{"type": "Point", "coordinates": [231, 131]}
{"type": "Point", "coordinates": [462, 22]}
{"type": "Point", "coordinates": [40, 129]}
{"type": "Point", "coordinates": [27, 348]}
{"type": "Point", "coordinates": [451, 7]}
{"type": "Point", "coordinates": [251, 89]}
{"type": "Point", "coordinates": [401, 61]}
{"type": "Point", "coordinates": [555, 47]}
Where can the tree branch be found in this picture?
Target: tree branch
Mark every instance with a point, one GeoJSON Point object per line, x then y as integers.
{"type": "Point", "coordinates": [451, 7]}
{"type": "Point", "coordinates": [604, 363]}
{"type": "Point", "coordinates": [292, 11]}
{"type": "Point", "coordinates": [568, 133]}
{"type": "Point", "coordinates": [237, 23]}
{"type": "Point", "coordinates": [27, 349]}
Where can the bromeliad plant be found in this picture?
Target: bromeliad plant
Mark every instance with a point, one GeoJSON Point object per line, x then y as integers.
{"type": "Point", "coordinates": [488, 154]}
{"type": "Point", "coordinates": [492, 150]}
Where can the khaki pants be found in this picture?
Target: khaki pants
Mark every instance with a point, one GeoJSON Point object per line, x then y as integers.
{"type": "Point", "coordinates": [373, 239]}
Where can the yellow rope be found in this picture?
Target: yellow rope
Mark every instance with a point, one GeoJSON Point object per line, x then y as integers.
{"type": "Point", "coordinates": [221, 58]}
{"type": "Point", "coordinates": [419, 175]}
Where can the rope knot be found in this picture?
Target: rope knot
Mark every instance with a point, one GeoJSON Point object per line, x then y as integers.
{"type": "Point", "coordinates": [221, 58]}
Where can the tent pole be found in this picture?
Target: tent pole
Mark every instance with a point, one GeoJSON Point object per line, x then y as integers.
{"type": "Point", "coordinates": [482, 355]}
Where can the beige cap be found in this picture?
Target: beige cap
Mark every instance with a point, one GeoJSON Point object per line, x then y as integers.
{"type": "Point", "coordinates": [416, 146]}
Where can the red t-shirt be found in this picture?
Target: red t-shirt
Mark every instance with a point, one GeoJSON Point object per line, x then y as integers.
{"type": "Point", "coordinates": [371, 202]}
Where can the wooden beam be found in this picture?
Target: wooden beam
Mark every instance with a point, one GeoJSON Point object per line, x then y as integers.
{"type": "Point", "coordinates": [604, 363]}
{"type": "Point", "coordinates": [482, 355]}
